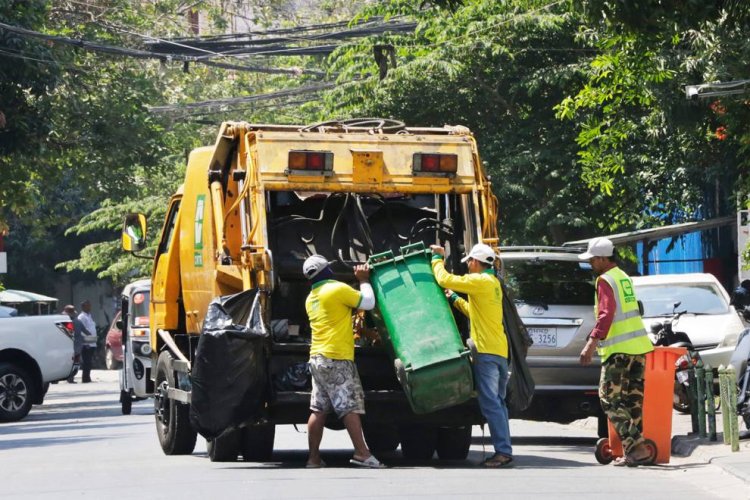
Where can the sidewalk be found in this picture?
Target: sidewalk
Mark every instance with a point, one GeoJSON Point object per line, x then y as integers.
{"type": "Point", "coordinates": [686, 444]}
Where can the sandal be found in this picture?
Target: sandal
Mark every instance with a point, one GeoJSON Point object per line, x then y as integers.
{"type": "Point", "coordinates": [370, 462]}
{"type": "Point", "coordinates": [497, 460]}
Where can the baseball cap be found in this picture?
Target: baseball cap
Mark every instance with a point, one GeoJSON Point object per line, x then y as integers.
{"type": "Point", "coordinates": [598, 247]}
{"type": "Point", "coordinates": [482, 253]}
{"type": "Point", "coordinates": [314, 265]}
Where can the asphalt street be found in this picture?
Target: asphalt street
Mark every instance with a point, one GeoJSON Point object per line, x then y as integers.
{"type": "Point", "coordinates": [79, 445]}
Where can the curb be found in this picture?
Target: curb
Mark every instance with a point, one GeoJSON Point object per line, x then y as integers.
{"type": "Point", "coordinates": [716, 453]}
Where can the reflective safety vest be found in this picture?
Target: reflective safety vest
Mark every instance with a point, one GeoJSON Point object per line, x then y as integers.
{"type": "Point", "coordinates": [627, 335]}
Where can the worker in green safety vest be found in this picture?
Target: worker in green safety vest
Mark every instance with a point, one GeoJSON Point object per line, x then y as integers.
{"type": "Point", "coordinates": [620, 338]}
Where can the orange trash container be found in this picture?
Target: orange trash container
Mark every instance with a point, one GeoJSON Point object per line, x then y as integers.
{"type": "Point", "coordinates": [657, 404]}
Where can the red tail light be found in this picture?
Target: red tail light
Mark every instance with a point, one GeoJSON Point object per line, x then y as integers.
{"type": "Point", "coordinates": [310, 163]}
{"type": "Point", "coordinates": [66, 327]}
{"type": "Point", "coordinates": [432, 164]}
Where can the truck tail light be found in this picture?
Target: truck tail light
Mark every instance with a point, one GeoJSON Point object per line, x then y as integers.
{"type": "Point", "coordinates": [65, 327]}
{"type": "Point", "coordinates": [433, 164]}
{"type": "Point", "coordinates": [310, 163]}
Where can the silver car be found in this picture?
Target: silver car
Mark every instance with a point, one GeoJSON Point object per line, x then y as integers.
{"type": "Point", "coordinates": [554, 293]}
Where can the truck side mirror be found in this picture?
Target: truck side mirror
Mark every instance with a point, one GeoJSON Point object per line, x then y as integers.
{"type": "Point", "coordinates": [134, 232]}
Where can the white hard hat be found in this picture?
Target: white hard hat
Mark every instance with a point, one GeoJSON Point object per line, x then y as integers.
{"type": "Point", "coordinates": [598, 247]}
{"type": "Point", "coordinates": [482, 253]}
{"type": "Point", "coordinates": [314, 265]}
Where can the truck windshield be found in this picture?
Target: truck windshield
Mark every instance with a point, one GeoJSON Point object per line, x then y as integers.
{"type": "Point", "coordinates": [139, 309]}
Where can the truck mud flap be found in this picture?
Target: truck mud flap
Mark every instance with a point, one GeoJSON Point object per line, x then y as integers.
{"type": "Point", "coordinates": [230, 374]}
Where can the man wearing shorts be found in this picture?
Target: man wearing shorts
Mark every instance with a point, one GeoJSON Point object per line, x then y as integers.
{"type": "Point", "coordinates": [335, 382]}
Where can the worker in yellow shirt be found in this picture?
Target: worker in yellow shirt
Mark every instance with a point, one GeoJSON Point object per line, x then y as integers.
{"type": "Point", "coordinates": [484, 309]}
{"type": "Point", "coordinates": [335, 382]}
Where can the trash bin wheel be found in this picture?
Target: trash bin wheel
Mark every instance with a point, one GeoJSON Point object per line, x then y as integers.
{"type": "Point", "coordinates": [653, 450]}
{"type": "Point", "coordinates": [472, 349]}
{"type": "Point", "coordinates": [400, 371]}
{"type": "Point", "coordinates": [603, 452]}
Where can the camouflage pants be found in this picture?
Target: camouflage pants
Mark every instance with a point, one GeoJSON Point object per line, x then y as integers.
{"type": "Point", "coordinates": [621, 396]}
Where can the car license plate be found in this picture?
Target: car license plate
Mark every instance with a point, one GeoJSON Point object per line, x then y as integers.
{"type": "Point", "coordinates": [543, 337]}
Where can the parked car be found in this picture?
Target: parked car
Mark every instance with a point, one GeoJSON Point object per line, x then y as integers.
{"type": "Point", "coordinates": [712, 325]}
{"type": "Point", "coordinates": [34, 351]}
{"type": "Point", "coordinates": [8, 312]}
{"type": "Point", "coordinates": [554, 293]}
{"type": "Point", "coordinates": [113, 345]}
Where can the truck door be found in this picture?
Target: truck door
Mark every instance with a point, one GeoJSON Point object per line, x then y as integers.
{"type": "Point", "coordinates": [165, 295]}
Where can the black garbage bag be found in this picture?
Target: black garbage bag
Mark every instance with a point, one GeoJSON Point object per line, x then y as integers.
{"type": "Point", "coordinates": [230, 373]}
{"type": "Point", "coordinates": [295, 378]}
{"type": "Point", "coordinates": [521, 383]}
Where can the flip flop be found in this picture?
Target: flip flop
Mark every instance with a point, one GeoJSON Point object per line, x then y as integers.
{"type": "Point", "coordinates": [496, 464]}
{"type": "Point", "coordinates": [370, 462]}
{"type": "Point", "coordinates": [309, 465]}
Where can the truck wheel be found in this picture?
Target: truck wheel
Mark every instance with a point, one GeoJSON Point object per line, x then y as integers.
{"type": "Point", "coordinates": [257, 443]}
{"type": "Point", "coordinates": [172, 417]}
{"type": "Point", "coordinates": [381, 438]}
{"type": "Point", "coordinates": [224, 448]}
{"type": "Point", "coordinates": [418, 441]}
{"type": "Point", "coordinates": [15, 393]}
{"type": "Point", "coordinates": [109, 360]}
{"type": "Point", "coordinates": [126, 401]}
{"type": "Point", "coordinates": [453, 443]}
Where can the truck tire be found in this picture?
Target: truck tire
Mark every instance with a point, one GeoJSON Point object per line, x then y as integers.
{"type": "Point", "coordinates": [257, 443]}
{"type": "Point", "coordinates": [16, 392]}
{"type": "Point", "coordinates": [225, 447]}
{"type": "Point", "coordinates": [381, 438]}
{"type": "Point", "coordinates": [418, 441]}
{"type": "Point", "coordinates": [126, 402]}
{"type": "Point", "coordinates": [176, 437]}
{"type": "Point", "coordinates": [453, 443]}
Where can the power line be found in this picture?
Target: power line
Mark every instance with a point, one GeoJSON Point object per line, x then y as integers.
{"type": "Point", "coordinates": [236, 100]}
{"type": "Point", "coordinates": [142, 54]}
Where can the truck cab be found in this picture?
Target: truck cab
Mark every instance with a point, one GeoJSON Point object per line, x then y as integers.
{"type": "Point", "coordinates": [135, 372]}
{"type": "Point", "coordinates": [260, 201]}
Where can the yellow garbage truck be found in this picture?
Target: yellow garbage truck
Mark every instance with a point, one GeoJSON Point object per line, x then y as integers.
{"type": "Point", "coordinates": [252, 208]}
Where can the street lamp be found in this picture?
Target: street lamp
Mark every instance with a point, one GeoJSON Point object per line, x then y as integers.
{"type": "Point", "coordinates": [703, 90]}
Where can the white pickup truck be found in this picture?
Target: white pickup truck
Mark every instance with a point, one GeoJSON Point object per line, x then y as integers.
{"type": "Point", "coordinates": [34, 351]}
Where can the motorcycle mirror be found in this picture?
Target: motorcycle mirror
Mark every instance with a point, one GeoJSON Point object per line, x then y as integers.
{"type": "Point", "coordinates": [675, 306]}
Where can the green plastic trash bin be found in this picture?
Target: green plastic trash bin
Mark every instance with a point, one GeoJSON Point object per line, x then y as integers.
{"type": "Point", "coordinates": [417, 326]}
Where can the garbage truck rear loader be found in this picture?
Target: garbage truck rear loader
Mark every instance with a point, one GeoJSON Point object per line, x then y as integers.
{"type": "Point", "coordinates": [260, 201]}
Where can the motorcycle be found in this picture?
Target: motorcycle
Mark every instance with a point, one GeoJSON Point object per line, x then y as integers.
{"type": "Point", "coordinates": [741, 362]}
{"type": "Point", "coordinates": [665, 335]}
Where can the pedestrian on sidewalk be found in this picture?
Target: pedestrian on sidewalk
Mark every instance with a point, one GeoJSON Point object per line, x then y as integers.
{"type": "Point", "coordinates": [79, 331]}
{"type": "Point", "coordinates": [336, 386]}
{"type": "Point", "coordinates": [89, 344]}
{"type": "Point", "coordinates": [620, 338]}
{"type": "Point", "coordinates": [484, 309]}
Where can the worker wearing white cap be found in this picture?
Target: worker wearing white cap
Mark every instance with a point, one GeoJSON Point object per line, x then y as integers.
{"type": "Point", "coordinates": [484, 308]}
{"type": "Point", "coordinates": [622, 342]}
{"type": "Point", "coordinates": [336, 387]}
